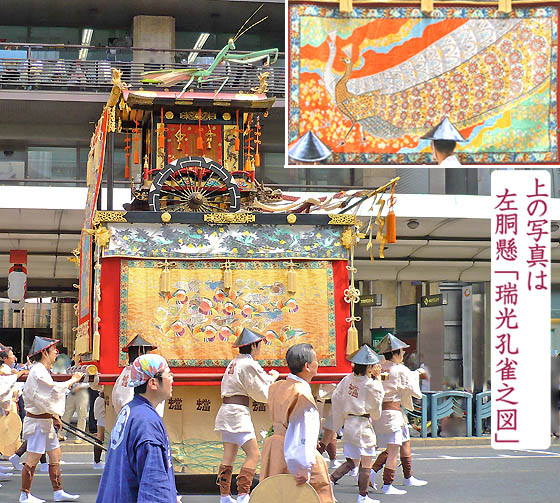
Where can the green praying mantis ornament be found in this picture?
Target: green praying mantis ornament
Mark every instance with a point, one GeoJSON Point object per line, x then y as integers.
{"type": "Point", "coordinates": [200, 75]}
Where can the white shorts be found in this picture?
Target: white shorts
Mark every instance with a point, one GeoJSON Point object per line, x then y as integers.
{"type": "Point", "coordinates": [40, 442]}
{"type": "Point", "coordinates": [239, 439]}
{"type": "Point", "coordinates": [354, 452]}
{"type": "Point", "coordinates": [101, 422]}
{"type": "Point", "coordinates": [396, 437]}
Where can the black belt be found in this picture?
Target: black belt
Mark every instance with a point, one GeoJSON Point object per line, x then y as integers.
{"type": "Point", "coordinates": [359, 415]}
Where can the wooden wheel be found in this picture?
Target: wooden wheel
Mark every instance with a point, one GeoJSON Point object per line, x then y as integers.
{"type": "Point", "coordinates": [194, 184]}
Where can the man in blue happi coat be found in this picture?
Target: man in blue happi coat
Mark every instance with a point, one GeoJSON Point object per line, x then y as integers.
{"type": "Point", "coordinates": [139, 468]}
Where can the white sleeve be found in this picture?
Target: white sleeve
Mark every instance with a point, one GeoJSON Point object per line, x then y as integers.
{"type": "Point", "coordinates": [300, 443]}
{"type": "Point", "coordinates": [337, 409]}
{"type": "Point", "coordinates": [256, 382]}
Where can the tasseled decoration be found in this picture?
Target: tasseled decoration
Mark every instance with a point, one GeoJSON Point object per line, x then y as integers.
{"type": "Point", "coordinates": [257, 143]}
{"type": "Point", "coordinates": [136, 141]}
{"type": "Point", "coordinates": [248, 166]}
{"type": "Point", "coordinates": [352, 341]}
{"type": "Point", "coordinates": [228, 274]}
{"type": "Point", "coordinates": [427, 6]}
{"type": "Point", "coordinates": [199, 142]}
{"type": "Point", "coordinates": [504, 6]}
{"type": "Point", "coordinates": [127, 155]}
{"type": "Point", "coordinates": [391, 219]}
{"type": "Point", "coordinates": [161, 136]}
{"type": "Point", "coordinates": [291, 278]}
{"type": "Point", "coordinates": [237, 142]}
{"type": "Point", "coordinates": [146, 167]}
{"type": "Point", "coordinates": [96, 345]}
{"type": "Point", "coordinates": [345, 5]}
{"type": "Point", "coordinates": [165, 280]}
{"type": "Point", "coordinates": [391, 227]}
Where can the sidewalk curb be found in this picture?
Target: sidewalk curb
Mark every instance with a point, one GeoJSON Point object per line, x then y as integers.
{"type": "Point", "coordinates": [449, 441]}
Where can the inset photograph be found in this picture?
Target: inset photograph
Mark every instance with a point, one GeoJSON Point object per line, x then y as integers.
{"type": "Point", "coordinates": [372, 85]}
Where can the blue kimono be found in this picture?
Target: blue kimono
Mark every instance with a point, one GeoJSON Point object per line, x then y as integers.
{"type": "Point", "coordinates": [138, 466]}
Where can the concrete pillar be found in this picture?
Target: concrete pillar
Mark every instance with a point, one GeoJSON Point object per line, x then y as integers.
{"type": "Point", "coordinates": [155, 32]}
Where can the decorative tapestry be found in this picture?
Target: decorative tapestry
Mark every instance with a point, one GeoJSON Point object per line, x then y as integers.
{"type": "Point", "coordinates": [188, 241]}
{"type": "Point", "coordinates": [368, 84]}
{"type": "Point", "coordinates": [197, 320]}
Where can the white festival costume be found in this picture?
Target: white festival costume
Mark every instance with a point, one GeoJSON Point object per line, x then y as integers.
{"type": "Point", "coordinates": [42, 395]}
{"type": "Point", "coordinates": [300, 444]}
{"type": "Point", "coordinates": [354, 397]}
{"type": "Point", "coordinates": [243, 376]}
{"type": "Point", "coordinates": [401, 386]}
{"type": "Point", "coordinates": [451, 162]}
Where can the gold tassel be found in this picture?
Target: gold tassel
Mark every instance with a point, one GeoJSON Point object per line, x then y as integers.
{"type": "Point", "coordinates": [228, 274]}
{"type": "Point", "coordinates": [504, 6]}
{"type": "Point", "coordinates": [427, 6]}
{"type": "Point", "coordinates": [352, 341]}
{"type": "Point", "coordinates": [96, 345]}
{"type": "Point", "coordinates": [391, 227]}
{"type": "Point", "coordinates": [291, 280]}
{"type": "Point", "coordinates": [248, 166]}
{"type": "Point", "coordinates": [165, 280]}
{"type": "Point", "coordinates": [257, 160]}
{"type": "Point", "coordinates": [237, 143]}
{"type": "Point", "coordinates": [345, 5]}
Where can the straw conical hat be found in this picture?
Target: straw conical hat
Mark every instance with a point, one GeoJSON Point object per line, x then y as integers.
{"type": "Point", "coordinates": [140, 342]}
{"type": "Point", "coordinates": [283, 489]}
{"type": "Point", "coordinates": [247, 337]}
{"type": "Point", "coordinates": [40, 343]}
{"type": "Point", "coordinates": [445, 130]}
{"type": "Point", "coordinates": [365, 356]}
{"type": "Point", "coordinates": [390, 343]}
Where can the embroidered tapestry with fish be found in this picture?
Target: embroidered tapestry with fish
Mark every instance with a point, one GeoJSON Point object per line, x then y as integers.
{"type": "Point", "coordinates": [196, 322]}
{"type": "Point", "coordinates": [370, 83]}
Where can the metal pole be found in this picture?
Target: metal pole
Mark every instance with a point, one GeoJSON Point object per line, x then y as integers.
{"type": "Point", "coordinates": [22, 337]}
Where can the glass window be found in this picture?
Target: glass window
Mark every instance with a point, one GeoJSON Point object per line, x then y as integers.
{"type": "Point", "coordinates": [57, 163]}
{"type": "Point", "coordinates": [334, 177]}
{"type": "Point", "coordinates": [273, 171]}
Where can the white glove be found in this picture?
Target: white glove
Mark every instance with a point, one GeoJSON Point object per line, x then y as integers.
{"type": "Point", "coordinates": [274, 374]}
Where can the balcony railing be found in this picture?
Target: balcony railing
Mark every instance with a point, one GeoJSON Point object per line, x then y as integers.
{"type": "Point", "coordinates": [21, 68]}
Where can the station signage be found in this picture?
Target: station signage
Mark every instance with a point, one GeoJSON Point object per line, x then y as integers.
{"type": "Point", "coordinates": [432, 300]}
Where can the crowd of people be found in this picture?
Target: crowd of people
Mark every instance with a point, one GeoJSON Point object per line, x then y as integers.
{"type": "Point", "coordinates": [367, 406]}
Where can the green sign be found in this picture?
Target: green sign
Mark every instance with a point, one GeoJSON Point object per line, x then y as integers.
{"type": "Point", "coordinates": [377, 334]}
{"type": "Point", "coordinates": [432, 300]}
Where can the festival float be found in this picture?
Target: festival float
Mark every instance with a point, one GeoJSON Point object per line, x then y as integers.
{"type": "Point", "coordinates": [204, 249]}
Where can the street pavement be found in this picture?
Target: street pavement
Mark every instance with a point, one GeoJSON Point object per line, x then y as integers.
{"type": "Point", "coordinates": [469, 474]}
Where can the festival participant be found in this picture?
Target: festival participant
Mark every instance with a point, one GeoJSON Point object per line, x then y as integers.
{"type": "Point", "coordinates": [356, 400]}
{"type": "Point", "coordinates": [243, 379]}
{"type": "Point", "coordinates": [296, 422]}
{"type": "Point", "coordinates": [139, 467]}
{"type": "Point", "coordinates": [99, 414]}
{"type": "Point", "coordinates": [9, 391]}
{"type": "Point", "coordinates": [328, 440]}
{"type": "Point", "coordinates": [122, 393]}
{"type": "Point", "coordinates": [44, 404]}
{"type": "Point", "coordinates": [392, 427]}
{"type": "Point", "coordinates": [444, 141]}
